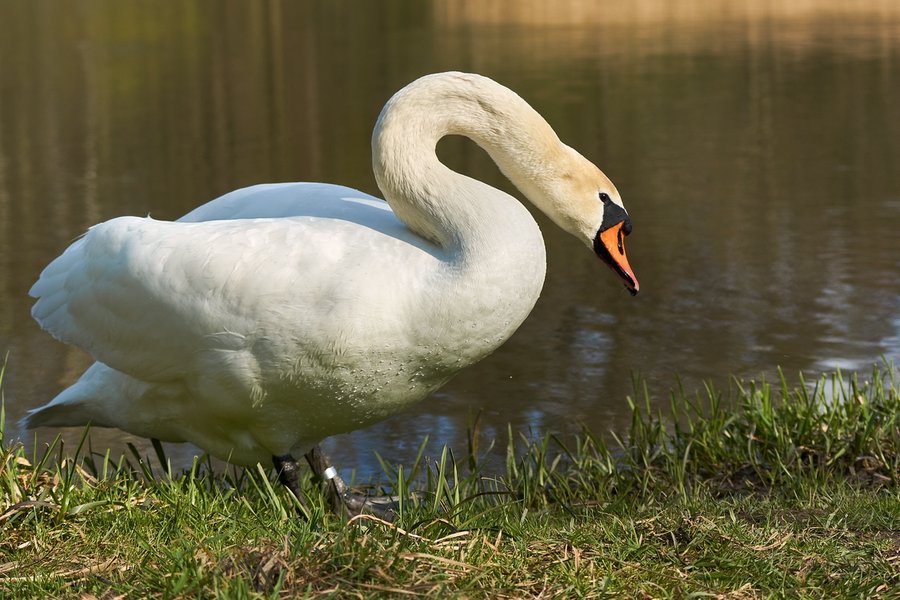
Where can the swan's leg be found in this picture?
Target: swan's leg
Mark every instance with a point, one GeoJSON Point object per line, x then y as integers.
{"type": "Point", "coordinates": [335, 488]}
{"type": "Point", "coordinates": [288, 470]}
{"type": "Point", "coordinates": [339, 493]}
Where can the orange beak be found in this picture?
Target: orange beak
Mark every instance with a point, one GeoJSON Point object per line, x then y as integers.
{"type": "Point", "coordinates": [610, 247]}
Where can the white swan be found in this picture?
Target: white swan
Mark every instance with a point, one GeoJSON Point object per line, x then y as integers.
{"type": "Point", "coordinates": [277, 315]}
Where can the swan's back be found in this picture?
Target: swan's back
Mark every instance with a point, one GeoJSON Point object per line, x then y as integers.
{"type": "Point", "coordinates": [299, 199]}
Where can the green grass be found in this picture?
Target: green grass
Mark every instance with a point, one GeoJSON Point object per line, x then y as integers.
{"type": "Point", "coordinates": [758, 492]}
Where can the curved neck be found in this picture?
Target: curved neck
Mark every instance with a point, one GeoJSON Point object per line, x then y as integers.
{"type": "Point", "coordinates": [494, 258]}
{"type": "Point", "coordinates": [436, 202]}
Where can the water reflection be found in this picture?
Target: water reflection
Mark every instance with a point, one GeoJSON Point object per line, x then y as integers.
{"type": "Point", "coordinates": [756, 147]}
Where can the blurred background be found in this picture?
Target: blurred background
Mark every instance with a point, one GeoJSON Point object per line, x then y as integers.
{"type": "Point", "coordinates": [756, 145]}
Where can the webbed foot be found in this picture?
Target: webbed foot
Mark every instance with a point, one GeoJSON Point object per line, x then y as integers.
{"type": "Point", "coordinates": [342, 498]}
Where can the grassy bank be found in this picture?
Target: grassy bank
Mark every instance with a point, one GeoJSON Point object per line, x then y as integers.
{"type": "Point", "coordinates": [755, 492]}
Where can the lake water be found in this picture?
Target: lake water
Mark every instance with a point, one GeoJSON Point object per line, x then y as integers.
{"type": "Point", "coordinates": [757, 150]}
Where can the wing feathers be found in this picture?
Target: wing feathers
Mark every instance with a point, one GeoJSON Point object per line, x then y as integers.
{"type": "Point", "coordinates": [143, 296]}
{"type": "Point", "coordinates": [154, 299]}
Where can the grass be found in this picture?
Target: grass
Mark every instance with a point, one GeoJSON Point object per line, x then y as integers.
{"type": "Point", "coordinates": [758, 492]}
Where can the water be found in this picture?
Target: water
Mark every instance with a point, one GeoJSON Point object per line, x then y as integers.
{"type": "Point", "coordinates": [757, 150]}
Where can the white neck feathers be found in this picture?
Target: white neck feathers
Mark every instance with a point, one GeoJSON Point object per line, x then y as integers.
{"type": "Point", "coordinates": [434, 201]}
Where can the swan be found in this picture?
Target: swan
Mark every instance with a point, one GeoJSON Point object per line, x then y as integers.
{"type": "Point", "coordinates": [280, 314]}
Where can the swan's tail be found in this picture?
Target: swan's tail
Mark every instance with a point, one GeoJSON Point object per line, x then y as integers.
{"type": "Point", "coordinates": [105, 397]}
{"type": "Point", "coordinates": [76, 405]}
{"type": "Point", "coordinates": [55, 414]}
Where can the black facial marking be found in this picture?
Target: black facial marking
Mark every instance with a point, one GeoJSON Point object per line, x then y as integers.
{"type": "Point", "coordinates": [612, 215]}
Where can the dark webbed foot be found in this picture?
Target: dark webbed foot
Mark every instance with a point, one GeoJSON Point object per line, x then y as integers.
{"type": "Point", "coordinates": [341, 497]}
{"type": "Point", "coordinates": [337, 491]}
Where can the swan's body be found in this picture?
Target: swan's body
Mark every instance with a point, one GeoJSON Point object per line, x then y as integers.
{"type": "Point", "coordinates": [277, 315]}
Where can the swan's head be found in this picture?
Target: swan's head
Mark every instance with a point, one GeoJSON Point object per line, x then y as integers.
{"type": "Point", "coordinates": [584, 202]}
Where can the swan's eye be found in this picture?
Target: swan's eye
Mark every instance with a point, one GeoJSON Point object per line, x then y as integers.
{"type": "Point", "coordinates": [604, 198]}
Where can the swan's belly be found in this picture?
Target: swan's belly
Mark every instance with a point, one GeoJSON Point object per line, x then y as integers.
{"type": "Point", "coordinates": [250, 419]}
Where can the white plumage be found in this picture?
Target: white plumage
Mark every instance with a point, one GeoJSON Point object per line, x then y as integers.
{"type": "Point", "coordinates": [277, 315]}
